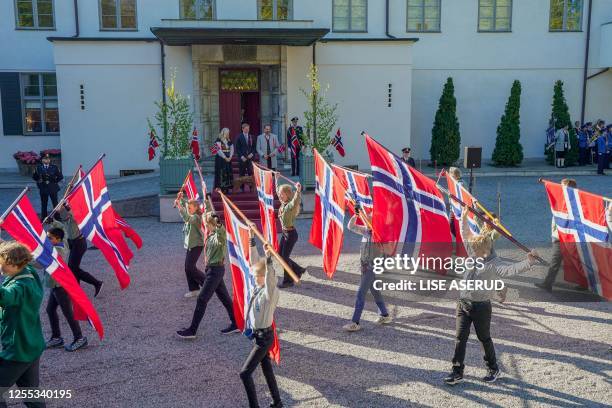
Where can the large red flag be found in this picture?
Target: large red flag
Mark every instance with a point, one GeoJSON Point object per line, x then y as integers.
{"type": "Point", "coordinates": [457, 189]}
{"type": "Point", "coordinates": [357, 188]}
{"type": "Point", "coordinates": [23, 225]}
{"type": "Point", "coordinates": [264, 180]}
{"type": "Point", "coordinates": [327, 231]}
{"type": "Point", "coordinates": [583, 236]}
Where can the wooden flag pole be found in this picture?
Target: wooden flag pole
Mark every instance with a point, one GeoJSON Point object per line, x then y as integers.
{"type": "Point", "coordinates": [542, 180]}
{"type": "Point", "coordinates": [354, 171]}
{"type": "Point", "coordinates": [277, 173]}
{"type": "Point", "coordinates": [68, 188]}
{"type": "Point", "coordinates": [259, 235]}
{"type": "Point", "coordinates": [181, 190]}
{"type": "Point", "coordinates": [10, 208]}
{"type": "Point", "coordinates": [492, 224]}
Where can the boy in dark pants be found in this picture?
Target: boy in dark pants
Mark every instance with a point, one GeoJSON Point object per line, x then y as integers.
{"type": "Point", "coordinates": [474, 306]}
{"type": "Point", "coordinates": [59, 298]}
{"type": "Point", "coordinates": [21, 335]}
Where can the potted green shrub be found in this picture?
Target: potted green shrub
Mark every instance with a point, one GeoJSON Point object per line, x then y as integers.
{"type": "Point", "coordinates": [174, 121]}
{"type": "Point", "coordinates": [321, 118]}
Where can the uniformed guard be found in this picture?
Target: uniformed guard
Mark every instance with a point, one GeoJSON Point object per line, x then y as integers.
{"type": "Point", "coordinates": [295, 158]}
{"type": "Point", "coordinates": [406, 157]}
{"type": "Point", "coordinates": [47, 176]}
{"type": "Point", "coordinates": [288, 211]}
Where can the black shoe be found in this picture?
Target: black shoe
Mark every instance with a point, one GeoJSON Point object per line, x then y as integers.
{"type": "Point", "coordinates": [491, 376]}
{"type": "Point", "coordinates": [98, 289]}
{"type": "Point", "coordinates": [186, 334]}
{"type": "Point", "coordinates": [543, 287]}
{"type": "Point", "coordinates": [453, 378]}
{"type": "Point", "coordinates": [278, 404]}
{"type": "Point", "coordinates": [77, 344]}
{"type": "Point", "coordinates": [54, 342]}
{"type": "Point", "coordinates": [285, 285]}
{"type": "Point", "coordinates": [232, 328]}
{"type": "Point", "coordinates": [302, 272]}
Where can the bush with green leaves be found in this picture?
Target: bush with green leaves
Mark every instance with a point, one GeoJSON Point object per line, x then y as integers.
{"type": "Point", "coordinates": [445, 136]}
{"type": "Point", "coordinates": [508, 150]}
{"type": "Point", "coordinates": [321, 116]}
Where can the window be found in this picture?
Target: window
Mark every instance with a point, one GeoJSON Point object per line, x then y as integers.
{"type": "Point", "coordinates": [39, 101]}
{"type": "Point", "coordinates": [350, 15]}
{"type": "Point", "coordinates": [118, 14]}
{"type": "Point", "coordinates": [197, 9]}
{"type": "Point", "coordinates": [34, 14]}
{"type": "Point", "coordinates": [423, 16]}
{"type": "Point", "coordinates": [275, 9]}
{"type": "Point", "coordinates": [565, 15]}
{"type": "Point", "coordinates": [495, 15]}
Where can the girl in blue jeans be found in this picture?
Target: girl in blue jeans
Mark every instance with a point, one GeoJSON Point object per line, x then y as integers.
{"type": "Point", "coordinates": [368, 252]}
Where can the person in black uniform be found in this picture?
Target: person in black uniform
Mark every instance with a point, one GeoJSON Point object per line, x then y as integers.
{"type": "Point", "coordinates": [406, 157]}
{"type": "Point", "coordinates": [295, 158]}
{"type": "Point", "coordinates": [47, 176]}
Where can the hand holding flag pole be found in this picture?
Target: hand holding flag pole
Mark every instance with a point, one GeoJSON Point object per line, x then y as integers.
{"type": "Point", "coordinates": [277, 173]}
{"type": "Point", "coordinates": [181, 190]}
{"type": "Point", "coordinates": [68, 189]}
{"type": "Point", "coordinates": [259, 235]}
{"type": "Point", "coordinates": [492, 224]}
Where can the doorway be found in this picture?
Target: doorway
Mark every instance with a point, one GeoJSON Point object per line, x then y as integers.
{"type": "Point", "coordinates": [239, 100]}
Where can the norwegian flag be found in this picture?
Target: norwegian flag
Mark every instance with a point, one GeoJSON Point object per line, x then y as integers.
{"type": "Point", "coordinates": [583, 235]}
{"type": "Point", "coordinates": [327, 229]}
{"type": "Point", "coordinates": [264, 181]}
{"type": "Point", "coordinates": [214, 149]}
{"type": "Point", "coordinates": [243, 282]}
{"type": "Point", "coordinates": [128, 231]}
{"type": "Point", "coordinates": [457, 189]}
{"type": "Point", "coordinates": [23, 225]}
{"type": "Point", "coordinates": [295, 143]}
{"type": "Point", "coordinates": [409, 211]}
{"type": "Point", "coordinates": [195, 144]}
{"type": "Point", "coordinates": [282, 148]}
{"type": "Point", "coordinates": [153, 145]}
{"type": "Point", "coordinates": [190, 188]}
{"type": "Point", "coordinates": [93, 212]}
{"type": "Point", "coordinates": [357, 188]}
{"type": "Point", "coordinates": [337, 143]}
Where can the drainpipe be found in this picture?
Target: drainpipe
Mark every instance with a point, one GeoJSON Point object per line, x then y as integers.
{"type": "Point", "coordinates": [76, 19]}
{"type": "Point", "coordinates": [586, 62]}
{"type": "Point", "coordinates": [314, 97]}
{"type": "Point", "coordinates": [387, 19]}
{"type": "Point", "coordinates": [163, 90]}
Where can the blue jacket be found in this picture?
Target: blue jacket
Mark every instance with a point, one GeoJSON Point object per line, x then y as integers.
{"type": "Point", "coordinates": [601, 144]}
{"type": "Point", "coordinates": [582, 139]}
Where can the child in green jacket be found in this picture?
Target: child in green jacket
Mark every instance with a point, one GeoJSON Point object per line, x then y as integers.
{"type": "Point", "coordinates": [21, 294]}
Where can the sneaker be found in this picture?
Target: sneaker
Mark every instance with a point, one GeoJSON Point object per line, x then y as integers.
{"type": "Point", "coordinates": [384, 319]}
{"type": "Point", "coordinates": [544, 287]}
{"type": "Point", "coordinates": [453, 378]}
{"type": "Point", "coordinates": [186, 334]}
{"type": "Point", "coordinates": [491, 376]}
{"type": "Point", "coordinates": [77, 344]}
{"type": "Point", "coordinates": [351, 327]}
{"type": "Point", "coordinates": [232, 328]}
{"type": "Point", "coordinates": [278, 404]}
{"type": "Point", "coordinates": [54, 342]}
{"type": "Point", "coordinates": [303, 271]}
{"type": "Point", "coordinates": [285, 285]}
{"type": "Point", "coordinates": [191, 294]}
{"type": "Point", "coordinates": [98, 289]}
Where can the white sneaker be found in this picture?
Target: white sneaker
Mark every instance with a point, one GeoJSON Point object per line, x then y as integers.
{"type": "Point", "coordinates": [191, 294]}
{"type": "Point", "coordinates": [384, 319]}
{"type": "Point", "coordinates": [351, 327]}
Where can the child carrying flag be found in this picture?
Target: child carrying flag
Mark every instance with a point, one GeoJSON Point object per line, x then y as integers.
{"type": "Point", "coordinates": [21, 334]}
{"type": "Point", "coordinates": [59, 298]}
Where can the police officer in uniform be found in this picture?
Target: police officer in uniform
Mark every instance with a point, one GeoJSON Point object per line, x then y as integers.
{"type": "Point", "coordinates": [47, 177]}
{"type": "Point", "coordinates": [295, 160]}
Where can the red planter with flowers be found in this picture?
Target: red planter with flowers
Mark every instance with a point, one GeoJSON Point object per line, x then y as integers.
{"type": "Point", "coordinates": [27, 162]}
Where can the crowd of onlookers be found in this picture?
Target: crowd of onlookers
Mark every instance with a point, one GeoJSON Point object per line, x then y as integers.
{"type": "Point", "coordinates": [594, 144]}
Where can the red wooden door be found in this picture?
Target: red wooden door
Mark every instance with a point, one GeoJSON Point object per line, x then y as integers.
{"type": "Point", "coordinates": [251, 108]}
{"type": "Point", "coordinates": [229, 111]}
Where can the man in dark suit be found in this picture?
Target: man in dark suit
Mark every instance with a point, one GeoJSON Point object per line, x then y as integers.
{"type": "Point", "coordinates": [47, 177]}
{"type": "Point", "coordinates": [245, 149]}
{"type": "Point", "coordinates": [406, 157]}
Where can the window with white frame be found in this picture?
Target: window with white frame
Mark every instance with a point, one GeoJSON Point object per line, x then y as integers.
{"type": "Point", "coordinates": [39, 101]}
{"type": "Point", "coordinates": [495, 15]}
{"type": "Point", "coordinates": [34, 14]}
{"type": "Point", "coordinates": [118, 14]}
{"type": "Point", "coordinates": [197, 9]}
{"type": "Point", "coordinates": [350, 15]}
{"type": "Point", "coordinates": [275, 9]}
{"type": "Point", "coordinates": [423, 16]}
{"type": "Point", "coordinates": [566, 15]}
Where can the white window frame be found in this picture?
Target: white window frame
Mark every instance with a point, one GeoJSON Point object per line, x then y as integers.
{"type": "Point", "coordinates": [197, 4]}
{"type": "Point", "coordinates": [35, 17]}
{"type": "Point", "coordinates": [495, 29]}
{"type": "Point", "coordinates": [275, 10]}
{"type": "Point", "coordinates": [422, 6]}
{"type": "Point", "coordinates": [118, 17]}
{"type": "Point", "coordinates": [350, 18]}
{"type": "Point", "coordinates": [40, 98]}
{"type": "Point", "coordinates": [564, 24]}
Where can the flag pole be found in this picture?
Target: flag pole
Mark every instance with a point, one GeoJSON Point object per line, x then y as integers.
{"type": "Point", "coordinates": [278, 173]}
{"type": "Point", "coordinates": [201, 178]}
{"type": "Point", "coordinates": [542, 180]}
{"type": "Point", "coordinates": [182, 185]}
{"type": "Point", "coordinates": [354, 171]}
{"type": "Point", "coordinates": [253, 228]}
{"type": "Point", "coordinates": [68, 189]}
{"type": "Point", "coordinates": [78, 183]}
{"type": "Point", "coordinates": [491, 224]}
{"type": "Point", "coordinates": [10, 208]}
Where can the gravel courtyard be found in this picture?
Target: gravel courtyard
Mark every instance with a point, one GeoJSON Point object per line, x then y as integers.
{"type": "Point", "coordinates": [551, 354]}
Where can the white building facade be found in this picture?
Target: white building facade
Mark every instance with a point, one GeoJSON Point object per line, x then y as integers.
{"type": "Point", "coordinates": [83, 75]}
